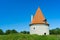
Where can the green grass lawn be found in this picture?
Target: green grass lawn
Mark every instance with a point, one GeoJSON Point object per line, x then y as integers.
{"type": "Point", "coordinates": [28, 37]}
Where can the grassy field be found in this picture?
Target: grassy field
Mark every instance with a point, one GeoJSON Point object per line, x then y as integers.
{"type": "Point", "coordinates": [28, 37]}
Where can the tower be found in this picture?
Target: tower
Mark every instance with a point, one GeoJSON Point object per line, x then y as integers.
{"type": "Point", "coordinates": [39, 24]}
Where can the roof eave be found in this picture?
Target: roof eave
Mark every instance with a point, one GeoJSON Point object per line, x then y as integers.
{"type": "Point", "coordinates": [38, 23]}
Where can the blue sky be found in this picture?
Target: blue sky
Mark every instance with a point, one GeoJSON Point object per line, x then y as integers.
{"type": "Point", "coordinates": [16, 14]}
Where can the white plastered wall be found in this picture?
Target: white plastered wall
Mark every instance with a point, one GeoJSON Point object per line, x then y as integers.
{"type": "Point", "coordinates": [39, 29]}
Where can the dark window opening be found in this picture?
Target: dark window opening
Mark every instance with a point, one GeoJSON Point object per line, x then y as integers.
{"type": "Point", "coordinates": [44, 33]}
{"type": "Point", "coordinates": [34, 28]}
{"type": "Point", "coordinates": [45, 20]}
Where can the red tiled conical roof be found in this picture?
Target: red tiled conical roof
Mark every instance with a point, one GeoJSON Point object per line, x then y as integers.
{"type": "Point", "coordinates": [38, 18]}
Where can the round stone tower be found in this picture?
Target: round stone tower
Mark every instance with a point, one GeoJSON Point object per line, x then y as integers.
{"type": "Point", "coordinates": [39, 24]}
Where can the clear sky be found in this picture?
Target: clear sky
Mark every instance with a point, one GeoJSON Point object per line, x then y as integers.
{"type": "Point", "coordinates": [16, 14]}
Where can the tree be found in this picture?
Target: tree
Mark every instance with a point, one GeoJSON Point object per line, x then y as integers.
{"type": "Point", "coordinates": [25, 32]}
{"type": "Point", "coordinates": [8, 32]}
{"type": "Point", "coordinates": [1, 32]}
{"type": "Point", "coordinates": [14, 31]}
{"type": "Point", "coordinates": [11, 31]}
{"type": "Point", "coordinates": [55, 31]}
